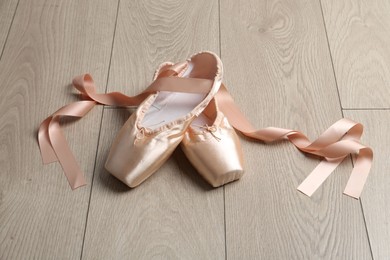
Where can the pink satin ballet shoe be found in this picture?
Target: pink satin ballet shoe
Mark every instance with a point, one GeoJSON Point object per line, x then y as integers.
{"type": "Point", "coordinates": [213, 147]}
{"type": "Point", "coordinates": [219, 165]}
{"type": "Point", "coordinates": [152, 133]}
{"type": "Point", "coordinates": [210, 142]}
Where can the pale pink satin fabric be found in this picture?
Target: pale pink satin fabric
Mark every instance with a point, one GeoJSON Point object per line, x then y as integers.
{"type": "Point", "coordinates": [336, 143]}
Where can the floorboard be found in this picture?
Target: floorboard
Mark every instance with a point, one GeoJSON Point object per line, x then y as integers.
{"type": "Point", "coordinates": [40, 216]}
{"type": "Point", "coordinates": [359, 40]}
{"type": "Point", "coordinates": [174, 214]}
{"type": "Point", "coordinates": [279, 70]}
{"type": "Point", "coordinates": [7, 12]}
{"type": "Point", "coordinates": [294, 64]}
{"type": "Point", "coordinates": [374, 198]}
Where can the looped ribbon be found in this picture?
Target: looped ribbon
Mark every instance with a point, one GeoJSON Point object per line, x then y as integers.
{"type": "Point", "coordinates": [211, 129]}
{"type": "Point", "coordinates": [334, 145]}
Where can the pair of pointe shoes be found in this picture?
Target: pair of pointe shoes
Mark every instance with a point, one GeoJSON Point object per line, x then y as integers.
{"type": "Point", "coordinates": [183, 111]}
{"type": "Point", "coordinates": [183, 106]}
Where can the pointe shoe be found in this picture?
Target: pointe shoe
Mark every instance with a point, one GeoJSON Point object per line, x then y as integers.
{"type": "Point", "coordinates": [158, 126]}
{"type": "Point", "coordinates": [213, 147]}
{"type": "Point", "coordinates": [210, 143]}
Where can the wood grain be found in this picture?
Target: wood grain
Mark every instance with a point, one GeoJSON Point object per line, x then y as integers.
{"type": "Point", "coordinates": [152, 32]}
{"type": "Point", "coordinates": [50, 42]}
{"type": "Point", "coordinates": [7, 11]}
{"type": "Point", "coordinates": [359, 39]}
{"type": "Point", "coordinates": [278, 68]}
{"type": "Point", "coordinates": [174, 214]}
{"type": "Point", "coordinates": [376, 192]}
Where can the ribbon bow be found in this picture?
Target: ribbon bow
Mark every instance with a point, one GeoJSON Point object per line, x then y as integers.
{"type": "Point", "coordinates": [211, 129]}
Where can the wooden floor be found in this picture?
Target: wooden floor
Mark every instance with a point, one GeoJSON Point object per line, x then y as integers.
{"type": "Point", "coordinates": [292, 64]}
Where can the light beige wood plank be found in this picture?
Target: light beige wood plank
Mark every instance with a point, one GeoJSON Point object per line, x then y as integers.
{"type": "Point", "coordinates": [278, 68]}
{"type": "Point", "coordinates": [359, 39]}
{"type": "Point", "coordinates": [50, 42]}
{"type": "Point", "coordinates": [152, 32]}
{"type": "Point", "coordinates": [376, 192]}
{"type": "Point", "coordinates": [7, 11]}
{"type": "Point", "coordinates": [174, 214]}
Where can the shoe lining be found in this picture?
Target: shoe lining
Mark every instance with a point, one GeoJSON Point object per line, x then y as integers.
{"type": "Point", "coordinates": [170, 106]}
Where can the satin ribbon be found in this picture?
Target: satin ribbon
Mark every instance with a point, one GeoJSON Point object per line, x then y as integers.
{"type": "Point", "coordinates": [334, 145]}
{"type": "Point", "coordinates": [52, 142]}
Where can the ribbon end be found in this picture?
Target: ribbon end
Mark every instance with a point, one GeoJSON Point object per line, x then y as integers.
{"type": "Point", "coordinates": [305, 191]}
{"type": "Point", "coordinates": [47, 160]}
{"type": "Point", "coordinates": [78, 183]}
{"type": "Point", "coordinates": [355, 194]}
{"type": "Point", "coordinates": [78, 186]}
{"type": "Point", "coordinates": [356, 197]}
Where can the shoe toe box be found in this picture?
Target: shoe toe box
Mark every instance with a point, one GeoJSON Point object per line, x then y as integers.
{"type": "Point", "coordinates": [217, 157]}
{"type": "Point", "coordinates": [134, 156]}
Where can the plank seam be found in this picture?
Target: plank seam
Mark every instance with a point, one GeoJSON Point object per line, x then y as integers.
{"type": "Point", "coordinates": [366, 109]}
{"type": "Point", "coordinates": [364, 219]}
{"type": "Point", "coordinates": [331, 58]}
{"type": "Point", "coordinates": [99, 135]}
{"type": "Point", "coordinates": [342, 113]}
{"type": "Point", "coordinates": [224, 190]}
{"type": "Point", "coordinates": [9, 30]}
